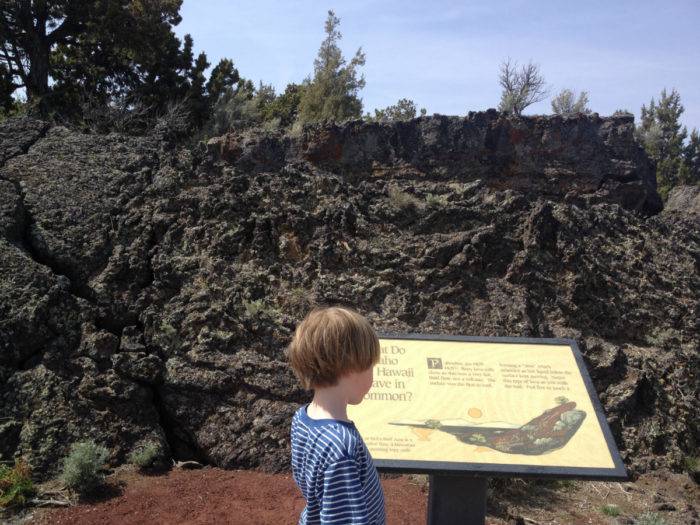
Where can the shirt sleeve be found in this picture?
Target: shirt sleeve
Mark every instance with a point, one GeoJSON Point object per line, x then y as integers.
{"type": "Point", "coordinates": [343, 499]}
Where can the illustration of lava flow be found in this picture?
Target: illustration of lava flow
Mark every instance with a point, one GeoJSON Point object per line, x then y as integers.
{"type": "Point", "coordinates": [549, 431]}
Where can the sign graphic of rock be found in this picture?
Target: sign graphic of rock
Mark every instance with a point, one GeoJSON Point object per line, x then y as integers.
{"type": "Point", "coordinates": [549, 431]}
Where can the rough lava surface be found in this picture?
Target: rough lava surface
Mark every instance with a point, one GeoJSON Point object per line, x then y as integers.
{"type": "Point", "coordinates": [148, 290]}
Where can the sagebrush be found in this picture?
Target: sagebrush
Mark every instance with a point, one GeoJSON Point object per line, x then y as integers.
{"type": "Point", "coordinates": [82, 468]}
{"type": "Point", "coordinates": [146, 456]}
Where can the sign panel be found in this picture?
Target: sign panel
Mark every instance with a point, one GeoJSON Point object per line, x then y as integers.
{"type": "Point", "coordinates": [485, 405]}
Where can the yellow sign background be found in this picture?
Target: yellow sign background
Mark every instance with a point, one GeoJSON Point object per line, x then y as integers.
{"type": "Point", "coordinates": [402, 391]}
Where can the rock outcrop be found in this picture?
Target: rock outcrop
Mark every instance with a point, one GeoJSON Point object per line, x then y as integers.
{"type": "Point", "coordinates": [684, 200]}
{"type": "Point", "coordinates": [147, 292]}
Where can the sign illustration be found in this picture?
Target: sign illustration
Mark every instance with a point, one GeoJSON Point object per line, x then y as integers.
{"type": "Point", "coordinates": [488, 405]}
{"type": "Point", "coordinates": [549, 431]}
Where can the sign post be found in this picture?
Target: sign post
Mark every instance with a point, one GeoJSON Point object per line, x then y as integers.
{"type": "Point", "coordinates": [463, 409]}
{"type": "Point", "coordinates": [456, 500]}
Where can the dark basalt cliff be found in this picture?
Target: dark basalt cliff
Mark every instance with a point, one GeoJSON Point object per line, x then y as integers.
{"type": "Point", "coordinates": [147, 291]}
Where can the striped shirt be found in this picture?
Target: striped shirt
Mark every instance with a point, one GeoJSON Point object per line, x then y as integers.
{"type": "Point", "coordinates": [334, 470]}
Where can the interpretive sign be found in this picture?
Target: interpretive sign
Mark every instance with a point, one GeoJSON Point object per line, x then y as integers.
{"type": "Point", "coordinates": [487, 406]}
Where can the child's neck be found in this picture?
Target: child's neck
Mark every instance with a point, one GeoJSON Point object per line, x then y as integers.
{"type": "Point", "coordinates": [328, 403]}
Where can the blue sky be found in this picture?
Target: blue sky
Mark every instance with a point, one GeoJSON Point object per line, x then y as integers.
{"type": "Point", "coordinates": [445, 55]}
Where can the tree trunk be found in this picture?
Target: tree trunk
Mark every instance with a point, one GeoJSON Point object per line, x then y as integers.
{"type": "Point", "coordinates": [38, 50]}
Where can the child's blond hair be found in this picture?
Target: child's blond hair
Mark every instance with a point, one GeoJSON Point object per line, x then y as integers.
{"type": "Point", "coordinates": [329, 343]}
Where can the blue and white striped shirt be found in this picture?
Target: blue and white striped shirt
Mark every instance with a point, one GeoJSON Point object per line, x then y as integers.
{"type": "Point", "coordinates": [334, 470]}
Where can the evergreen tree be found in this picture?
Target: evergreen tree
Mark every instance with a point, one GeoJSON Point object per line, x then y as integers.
{"type": "Point", "coordinates": [284, 108]}
{"type": "Point", "coordinates": [86, 44]}
{"type": "Point", "coordinates": [244, 106]}
{"type": "Point", "coordinates": [196, 95]}
{"type": "Point", "coordinates": [332, 93]}
{"type": "Point", "coordinates": [692, 157]}
{"type": "Point", "coordinates": [566, 103]}
{"type": "Point", "coordinates": [222, 78]}
{"type": "Point", "coordinates": [663, 137]}
{"type": "Point", "coordinates": [105, 52]}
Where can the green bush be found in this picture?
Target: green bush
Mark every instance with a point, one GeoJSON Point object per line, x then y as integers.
{"type": "Point", "coordinates": [15, 484]}
{"type": "Point", "coordinates": [146, 456]}
{"type": "Point", "coordinates": [610, 510]}
{"type": "Point", "coordinates": [82, 468]}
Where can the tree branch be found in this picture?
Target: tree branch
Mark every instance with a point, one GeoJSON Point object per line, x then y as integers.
{"type": "Point", "coordinates": [14, 63]}
{"type": "Point", "coordinates": [66, 29]}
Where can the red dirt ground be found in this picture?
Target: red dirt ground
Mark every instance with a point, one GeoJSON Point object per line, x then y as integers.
{"type": "Point", "coordinates": [220, 496]}
{"type": "Point", "coordinates": [215, 496]}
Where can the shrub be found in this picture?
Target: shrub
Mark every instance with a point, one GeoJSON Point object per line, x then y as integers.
{"type": "Point", "coordinates": [258, 308]}
{"type": "Point", "coordinates": [83, 465]}
{"type": "Point", "coordinates": [691, 464]}
{"type": "Point", "coordinates": [146, 456]}
{"type": "Point", "coordinates": [436, 201]}
{"type": "Point", "coordinates": [401, 200]}
{"type": "Point", "coordinates": [403, 110]}
{"type": "Point", "coordinates": [650, 518]}
{"type": "Point", "coordinates": [168, 337]}
{"type": "Point", "coordinates": [15, 484]}
{"type": "Point", "coordinates": [566, 103]}
{"type": "Point", "coordinates": [610, 510]}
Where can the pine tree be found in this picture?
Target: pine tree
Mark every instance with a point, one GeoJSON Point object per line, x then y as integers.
{"type": "Point", "coordinates": [332, 93]}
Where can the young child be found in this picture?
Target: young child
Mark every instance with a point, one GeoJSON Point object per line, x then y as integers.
{"type": "Point", "coordinates": [333, 352]}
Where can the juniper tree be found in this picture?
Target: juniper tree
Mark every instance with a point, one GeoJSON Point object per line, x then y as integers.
{"type": "Point", "coordinates": [285, 107]}
{"type": "Point", "coordinates": [332, 92]}
{"type": "Point", "coordinates": [63, 51]}
{"type": "Point", "coordinates": [692, 157]}
{"type": "Point", "coordinates": [663, 136]}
